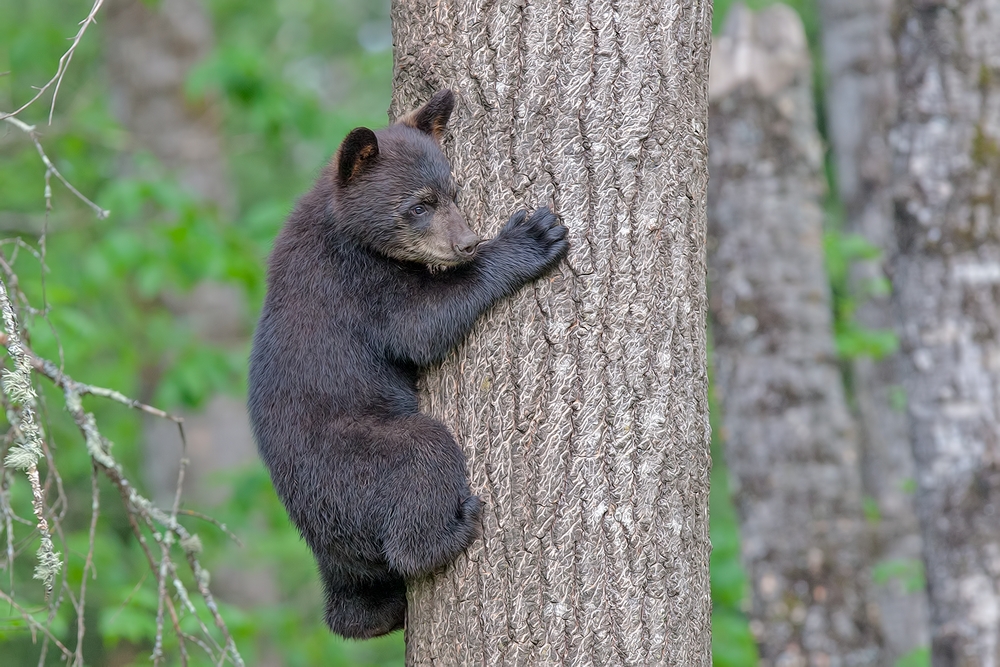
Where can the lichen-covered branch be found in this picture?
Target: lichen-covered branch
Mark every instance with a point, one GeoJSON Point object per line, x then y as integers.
{"type": "Point", "coordinates": [25, 445]}
{"type": "Point", "coordinates": [25, 453]}
{"type": "Point", "coordinates": [137, 505]}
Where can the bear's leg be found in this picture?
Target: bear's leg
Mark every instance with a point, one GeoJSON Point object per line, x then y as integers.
{"type": "Point", "coordinates": [366, 610]}
{"type": "Point", "coordinates": [432, 516]}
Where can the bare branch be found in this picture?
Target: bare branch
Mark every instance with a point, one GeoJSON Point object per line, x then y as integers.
{"type": "Point", "coordinates": [141, 509]}
{"type": "Point", "coordinates": [50, 169]}
{"type": "Point", "coordinates": [25, 454]}
{"type": "Point", "coordinates": [24, 444]}
{"type": "Point", "coordinates": [88, 566]}
{"type": "Point", "coordinates": [215, 522]}
{"type": "Point", "coordinates": [140, 538]}
{"type": "Point", "coordinates": [136, 504]}
{"type": "Point", "coordinates": [34, 624]}
{"type": "Point", "coordinates": [61, 69]}
{"type": "Point", "coordinates": [51, 371]}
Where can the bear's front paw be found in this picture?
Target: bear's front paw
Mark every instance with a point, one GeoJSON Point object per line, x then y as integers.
{"type": "Point", "coordinates": [542, 234]}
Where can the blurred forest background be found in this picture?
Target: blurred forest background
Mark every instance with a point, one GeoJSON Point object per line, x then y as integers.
{"type": "Point", "coordinates": [196, 123]}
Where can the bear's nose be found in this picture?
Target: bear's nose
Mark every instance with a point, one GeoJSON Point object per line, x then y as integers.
{"type": "Point", "coordinates": [467, 247]}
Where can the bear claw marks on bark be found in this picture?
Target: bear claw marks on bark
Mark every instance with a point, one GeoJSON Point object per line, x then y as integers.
{"type": "Point", "coordinates": [375, 276]}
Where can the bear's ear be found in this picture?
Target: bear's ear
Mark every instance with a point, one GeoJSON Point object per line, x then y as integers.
{"type": "Point", "coordinates": [356, 154]}
{"type": "Point", "coordinates": [433, 116]}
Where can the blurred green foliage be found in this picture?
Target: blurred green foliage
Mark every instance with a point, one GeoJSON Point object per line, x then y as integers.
{"type": "Point", "coordinates": [732, 643]}
{"type": "Point", "coordinates": [907, 572]}
{"type": "Point", "coordinates": [852, 339]}
{"type": "Point", "coordinates": [920, 657]}
{"type": "Point", "coordinates": [291, 77]}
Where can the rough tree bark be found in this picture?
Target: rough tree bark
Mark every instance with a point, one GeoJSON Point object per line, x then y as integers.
{"type": "Point", "coordinates": [861, 106]}
{"type": "Point", "coordinates": [581, 404]}
{"type": "Point", "coordinates": [946, 280]}
{"type": "Point", "coordinates": [790, 443]}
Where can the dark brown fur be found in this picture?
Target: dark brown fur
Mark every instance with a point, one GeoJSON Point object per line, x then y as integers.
{"type": "Point", "coordinates": [374, 276]}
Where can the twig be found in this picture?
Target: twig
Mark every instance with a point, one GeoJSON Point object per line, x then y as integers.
{"type": "Point", "coordinates": [99, 449]}
{"type": "Point", "coordinates": [201, 579]}
{"type": "Point", "coordinates": [63, 66]}
{"type": "Point", "coordinates": [186, 603]}
{"type": "Point", "coordinates": [136, 504]}
{"type": "Point", "coordinates": [52, 372]}
{"type": "Point", "coordinates": [35, 625]}
{"type": "Point", "coordinates": [8, 516]}
{"type": "Point", "coordinates": [51, 169]}
{"type": "Point", "coordinates": [88, 565]}
{"type": "Point", "coordinates": [161, 590]}
{"type": "Point", "coordinates": [165, 547]}
{"type": "Point", "coordinates": [152, 567]}
{"type": "Point", "coordinates": [25, 444]}
{"type": "Point", "coordinates": [215, 522]}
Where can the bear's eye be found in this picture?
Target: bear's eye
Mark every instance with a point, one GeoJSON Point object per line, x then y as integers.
{"type": "Point", "coordinates": [419, 209]}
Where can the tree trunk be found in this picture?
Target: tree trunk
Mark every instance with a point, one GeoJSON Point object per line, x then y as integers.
{"type": "Point", "coordinates": [151, 47]}
{"type": "Point", "coordinates": [581, 403]}
{"type": "Point", "coordinates": [790, 444]}
{"type": "Point", "coordinates": [946, 280]}
{"type": "Point", "coordinates": [861, 105]}
{"type": "Point", "coordinates": [150, 50]}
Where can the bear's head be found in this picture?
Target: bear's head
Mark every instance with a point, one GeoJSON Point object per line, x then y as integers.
{"type": "Point", "coordinates": [398, 192]}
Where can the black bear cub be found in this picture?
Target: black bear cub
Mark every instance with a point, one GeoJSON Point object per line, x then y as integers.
{"type": "Point", "coordinates": [374, 276]}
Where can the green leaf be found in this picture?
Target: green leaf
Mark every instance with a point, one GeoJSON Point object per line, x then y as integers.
{"type": "Point", "coordinates": [919, 657]}
{"type": "Point", "coordinates": [871, 510]}
{"type": "Point", "coordinates": [909, 572]}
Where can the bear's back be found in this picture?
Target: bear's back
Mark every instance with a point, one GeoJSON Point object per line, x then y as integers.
{"type": "Point", "coordinates": [317, 349]}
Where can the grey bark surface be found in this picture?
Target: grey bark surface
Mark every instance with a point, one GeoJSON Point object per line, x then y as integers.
{"type": "Point", "coordinates": [790, 443]}
{"type": "Point", "coordinates": [582, 402]}
{"type": "Point", "coordinates": [946, 279]}
{"type": "Point", "coordinates": [861, 105]}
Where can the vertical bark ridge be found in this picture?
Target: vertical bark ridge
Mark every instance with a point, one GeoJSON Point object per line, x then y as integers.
{"type": "Point", "coordinates": [581, 403]}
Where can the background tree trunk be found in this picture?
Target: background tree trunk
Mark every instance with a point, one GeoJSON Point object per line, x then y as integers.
{"type": "Point", "coordinates": [790, 444]}
{"type": "Point", "coordinates": [946, 281]}
{"type": "Point", "coordinates": [581, 403]}
{"type": "Point", "coordinates": [150, 50]}
{"type": "Point", "coordinates": [861, 105]}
